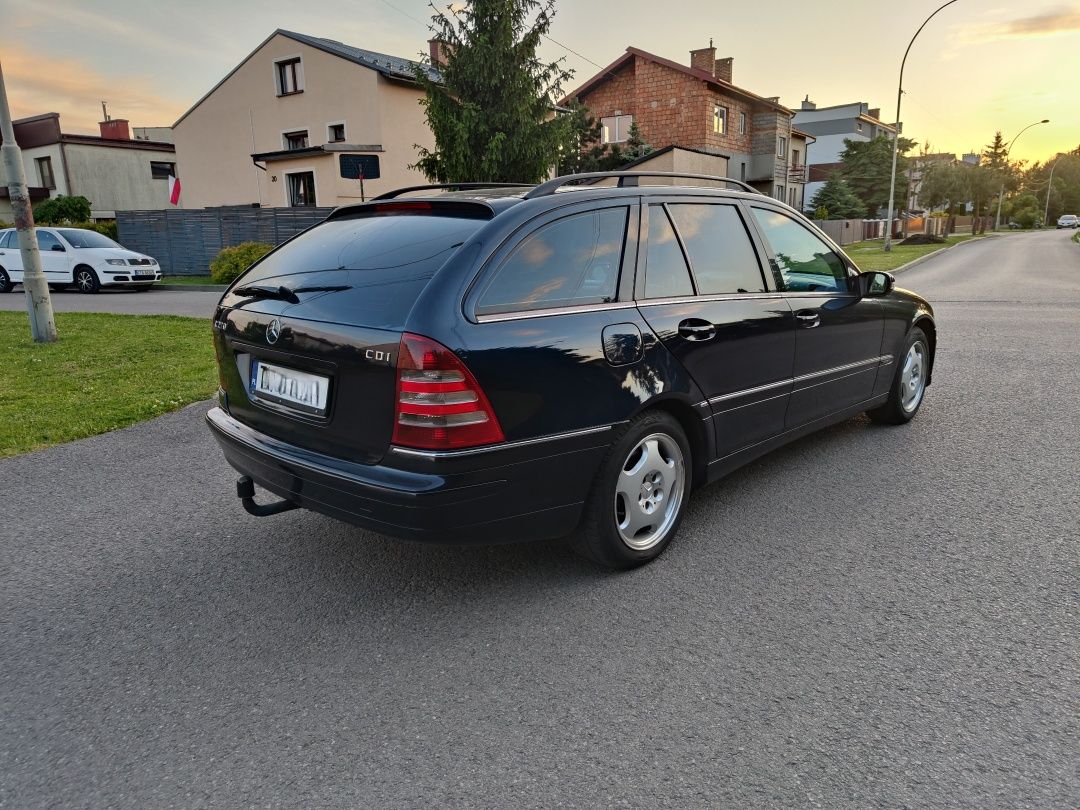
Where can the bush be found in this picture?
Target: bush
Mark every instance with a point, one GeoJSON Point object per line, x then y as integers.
{"type": "Point", "coordinates": [232, 261]}
{"type": "Point", "coordinates": [62, 210]}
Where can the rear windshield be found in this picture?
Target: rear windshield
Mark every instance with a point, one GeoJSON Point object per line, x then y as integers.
{"type": "Point", "coordinates": [378, 249]}
{"type": "Point", "coordinates": [78, 238]}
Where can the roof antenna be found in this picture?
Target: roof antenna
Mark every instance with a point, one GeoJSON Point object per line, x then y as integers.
{"type": "Point", "coordinates": [710, 42]}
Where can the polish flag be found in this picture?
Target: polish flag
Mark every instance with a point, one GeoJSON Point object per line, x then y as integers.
{"type": "Point", "coordinates": [174, 190]}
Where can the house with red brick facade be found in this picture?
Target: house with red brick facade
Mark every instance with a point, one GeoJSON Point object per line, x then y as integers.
{"type": "Point", "coordinates": [696, 107]}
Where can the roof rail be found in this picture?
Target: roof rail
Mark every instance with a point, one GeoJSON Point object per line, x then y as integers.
{"type": "Point", "coordinates": [629, 179]}
{"type": "Point", "coordinates": [389, 195]}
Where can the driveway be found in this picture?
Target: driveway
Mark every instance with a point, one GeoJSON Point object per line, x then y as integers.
{"type": "Point", "coordinates": [870, 617]}
{"type": "Point", "coordinates": [194, 304]}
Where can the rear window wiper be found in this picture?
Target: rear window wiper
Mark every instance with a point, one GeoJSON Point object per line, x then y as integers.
{"type": "Point", "coordinates": [254, 291]}
{"type": "Point", "coordinates": [327, 288]}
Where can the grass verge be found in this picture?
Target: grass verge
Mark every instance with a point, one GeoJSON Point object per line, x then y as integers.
{"type": "Point", "coordinates": [187, 280]}
{"type": "Point", "coordinates": [871, 255]}
{"type": "Point", "coordinates": [105, 372]}
{"type": "Point", "coordinates": [1076, 237]}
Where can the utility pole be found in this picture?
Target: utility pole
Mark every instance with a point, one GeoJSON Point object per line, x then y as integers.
{"type": "Point", "coordinates": [38, 302]}
{"type": "Point", "coordinates": [1049, 186]}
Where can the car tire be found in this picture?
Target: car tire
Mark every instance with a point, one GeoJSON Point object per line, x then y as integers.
{"type": "Point", "coordinates": [645, 476]}
{"type": "Point", "coordinates": [6, 284]}
{"type": "Point", "coordinates": [909, 382]}
{"type": "Point", "coordinates": [86, 280]}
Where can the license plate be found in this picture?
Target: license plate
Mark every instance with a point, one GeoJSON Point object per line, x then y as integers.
{"type": "Point", "coordinates": [287, 386]}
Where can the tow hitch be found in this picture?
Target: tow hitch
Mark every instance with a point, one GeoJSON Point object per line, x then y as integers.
{"type": "Point", "coordinates": [245, 491]}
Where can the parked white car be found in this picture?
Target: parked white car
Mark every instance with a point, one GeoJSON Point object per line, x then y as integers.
{"type": "Point", "coordinates": [87, 259]}
{"type": "Point", "coordinates": [1068, 221]}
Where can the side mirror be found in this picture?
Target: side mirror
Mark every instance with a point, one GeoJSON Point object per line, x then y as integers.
{"type": "Point", "coordinates": [873, 284]}
{"type": "Point", "coordinates": [58, 247]}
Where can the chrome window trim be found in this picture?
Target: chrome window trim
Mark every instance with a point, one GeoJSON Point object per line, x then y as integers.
{"type": "Point", "coordinates": [472, 451]}
{"type": "Point", "coordinates": [547, 313]}
{"type": "Point", "coordinates": [698, 299]}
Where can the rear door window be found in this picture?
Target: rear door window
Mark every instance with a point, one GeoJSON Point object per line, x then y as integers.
{"type": "Point", "coordinates": [5, 238]}
{"type": "Point", "coordinates": [570, 262]}
{"type": "Point", "coordinates": [722, 257]}
{"type": "Point", "coordinates": [666, 273]}
{"type": "Point", "coordinates": [46, 241]}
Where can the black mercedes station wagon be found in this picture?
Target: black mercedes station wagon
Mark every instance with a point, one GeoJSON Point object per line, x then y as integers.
{"type": "Point", "coordinates": [490, 363]}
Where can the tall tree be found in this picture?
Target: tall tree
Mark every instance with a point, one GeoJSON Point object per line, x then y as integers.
{"type": "Point", "coordinates": [585, 150]}
{"type": "Point", "coordinates": [492, 108]}
{"type": "Point", "coordinates": [838, 200]}
{"type": "Point", "coordinates": [866, 166]}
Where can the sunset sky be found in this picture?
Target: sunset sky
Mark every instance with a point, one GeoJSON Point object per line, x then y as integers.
{"type": "Point", "coordinates": [976, 68]}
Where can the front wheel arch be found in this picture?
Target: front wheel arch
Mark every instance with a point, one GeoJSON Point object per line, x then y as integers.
{"type": "Point", "coordinates": [930, 330]}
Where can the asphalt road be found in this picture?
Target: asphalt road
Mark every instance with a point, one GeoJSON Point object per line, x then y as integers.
{"type": "Point", "coordinates": [870, 617]}
{"type": "Point", "coordinates": [194, 303]}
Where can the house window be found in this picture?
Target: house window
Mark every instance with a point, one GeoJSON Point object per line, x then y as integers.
{"type": "Point", "coordinates": [781, 147]}
{"type": "Point", "coordinates": [719, 119]}
{"type": "Point", "coordinates": [616, 128]}
{"type": "Point", "coordinates": [159, 170]}
{"type": "Point", "coordinates": [742, 172]}
{"type": "Point", "coordinates": [791, 196]}
{"type": "Point", "coordinates": [290, 77]}
{"type": "Point", "coordinates": [335, 133]}
{"type": "Point", "coordinates": [742, 123]}
{"type": "Point", "coordinates": [301, 188]}
{"type": "Point", "coordinates": [795, 155]}
{"type": "Point", "coordinates": [858, 127]}
{"type": "Point", "coordinates": [295, 140]}
{"type": "Point", "coordinates": [779, 194]}
{"type": "Point", "coordinates": [45, 172]}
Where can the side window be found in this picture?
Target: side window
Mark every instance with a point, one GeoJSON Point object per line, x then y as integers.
{"type": "Point", "coordinates": [46, 240]}
{"type": "Point", "coordinates": [568, 262]}
{"type": "Point", "coordinates": [666, 274]}
{"type": "Point", "coordinates": [5, 237]}
{"type": "Point", "coordinates": [722, 256]}
{"type": "Point", "coordinates": [806, 263]}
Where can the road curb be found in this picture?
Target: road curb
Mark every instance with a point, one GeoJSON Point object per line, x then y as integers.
{"type": "Point", "coordinates": [928, 256]}
{"type": "Point", "coordinates": [192, 287]}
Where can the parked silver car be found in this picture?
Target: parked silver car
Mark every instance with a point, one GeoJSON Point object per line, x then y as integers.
{"type": "Point", "coordinates": [1068, 221]}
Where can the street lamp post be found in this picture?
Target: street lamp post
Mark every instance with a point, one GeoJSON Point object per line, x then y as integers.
{"type": "Point", "coordinates": [896, 135]}
{"type": "Point", "coordinates": [1008, 146]}
{"type": "Point", "coordinates": [1049, 186]}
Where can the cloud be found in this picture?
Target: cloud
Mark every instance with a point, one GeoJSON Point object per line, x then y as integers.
{"type": "Point", "coordinates": [74, 89]}
{"type": "Point", "coordinates": [1063, 20]}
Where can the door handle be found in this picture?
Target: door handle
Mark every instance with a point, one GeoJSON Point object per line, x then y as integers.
{"type": "Point", "coordinates": [808, 318]}
{"type": "Point", "coordinates": [696, 329]}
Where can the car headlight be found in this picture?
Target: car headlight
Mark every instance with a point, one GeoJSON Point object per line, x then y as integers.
{"type": "Point", "coordinates": [121, 262]}
{"type": "Point", "coordinates": [153, 261]}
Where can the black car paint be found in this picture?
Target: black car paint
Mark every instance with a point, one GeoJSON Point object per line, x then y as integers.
{"type": "Point", "coordinates": [555, 389]}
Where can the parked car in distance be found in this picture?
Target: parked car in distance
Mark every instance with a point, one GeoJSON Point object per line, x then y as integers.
{"type": "Point", "coordinates": [497, 364]}
{"type": "Point", "coordinates": [80, 257]}
{"type": "Point", "coordinates": [1068, 221]}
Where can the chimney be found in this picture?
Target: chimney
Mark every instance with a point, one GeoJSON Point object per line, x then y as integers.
{"type": "Point", "coordinates": [115, 129]}
{"type": "Point", "coordinates": [807, 104]}
{"type": "Point", "coordinates": [703, 58]}
{"type": "Point", "coordinates": [439, 51]}
{"type": "Point", "coordinates": [875, 113]}
{"type": "Point", "coordinates": [722, 69]}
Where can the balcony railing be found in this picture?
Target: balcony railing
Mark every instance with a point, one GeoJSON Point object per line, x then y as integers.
{"type": "Point", "coordinates": [797, 174]}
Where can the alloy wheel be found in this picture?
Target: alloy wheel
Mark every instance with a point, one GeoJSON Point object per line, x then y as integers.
{"type": "Point", "coordinates": [649, 492]}
{"type": "Point", "coordinates": [913, 378]}
{"type": "Point", "coordinates": [84, 279]}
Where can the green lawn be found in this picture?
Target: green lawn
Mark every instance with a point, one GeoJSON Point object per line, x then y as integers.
{"type": "Point", "coordinates": [105, 372]}
{"type": "Point", "coordinates": [186, 280]}
{"type": "Point", "coordinates": [871, 255]}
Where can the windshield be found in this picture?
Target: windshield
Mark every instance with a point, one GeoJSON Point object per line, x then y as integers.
{"type": "Point", "coordinates": [79, 238]}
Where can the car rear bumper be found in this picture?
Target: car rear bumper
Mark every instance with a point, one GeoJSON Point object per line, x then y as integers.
{"type": "Point", "coordinates": [488, 500]}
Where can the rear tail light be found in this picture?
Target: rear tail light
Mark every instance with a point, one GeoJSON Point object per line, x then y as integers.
{"type": "Point", "coordinates": [439, 405]}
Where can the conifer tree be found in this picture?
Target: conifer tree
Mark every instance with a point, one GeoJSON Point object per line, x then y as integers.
{"type": "Point", "coordinates": [492, 109]}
